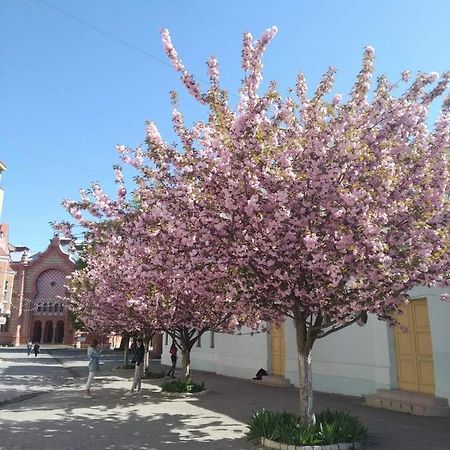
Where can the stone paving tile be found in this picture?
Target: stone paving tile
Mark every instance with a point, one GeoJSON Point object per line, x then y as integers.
{"type": "Point", "coordinates": [63, 419]}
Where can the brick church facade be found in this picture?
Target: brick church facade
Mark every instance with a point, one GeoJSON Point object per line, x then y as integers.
{"type": "Point", "coordinates": [38, 313]}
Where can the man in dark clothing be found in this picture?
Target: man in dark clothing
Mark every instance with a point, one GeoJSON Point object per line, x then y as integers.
{"type": "Point", "coordinates": [36, 349]}
{"type": "Point", "coordinates": [139, 356]}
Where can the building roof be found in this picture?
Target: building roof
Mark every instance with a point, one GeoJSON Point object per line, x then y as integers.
{"type": "Point", "coordinates": [17, 252]}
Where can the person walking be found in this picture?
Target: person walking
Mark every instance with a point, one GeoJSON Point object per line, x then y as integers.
{"type": "Point", "coordinates": [29, 347]}
{"type": "Point", "coordinates": [139, 356]}
{"type": "Point", "coordinates": [36, 349]}
{"type": "Point", "coordinates": [173, 356]}
{"type": "Point", "coordinates": [93, 354]}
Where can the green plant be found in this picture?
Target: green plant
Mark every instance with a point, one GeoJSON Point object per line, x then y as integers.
{"type": "Point", "coordinates": [182, 386]}
{"type": "Point", "coordinates": [154, 375]}
{"type": "Point", "coordinates": [331, 427]}
{"type": "Point", "coordinates": [127, 366]}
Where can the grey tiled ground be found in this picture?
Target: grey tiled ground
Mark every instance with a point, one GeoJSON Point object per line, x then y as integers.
{"type": "Point", "coordinates": [63, 419]}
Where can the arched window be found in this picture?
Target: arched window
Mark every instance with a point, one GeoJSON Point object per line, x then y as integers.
{"type": "Point", "coordinates": [39, 308]}
{"type": "Point", "coordinates": [56, 307]}
{"type": "Point", "coordinates": [50, 307]}
{"type": "Point", "coordinates": [44, 307]}
{"type": "Point", "coordinates": [61, 308]}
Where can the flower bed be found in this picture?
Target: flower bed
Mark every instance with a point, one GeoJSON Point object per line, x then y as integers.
{"type": "Point", "coordinates": [149, 375]}
{"type": "Point", "coordinates": [282, 430]}
{"type": "Point", "coordinates": [182, 388]}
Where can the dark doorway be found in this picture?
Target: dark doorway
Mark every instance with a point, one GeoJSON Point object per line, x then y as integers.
{"type": "Point", "coordinates": [59, 332]}
{"type": "Point", "coordinates": [37, 331]}
{"type": "Point", "coordinates": [48, 332]}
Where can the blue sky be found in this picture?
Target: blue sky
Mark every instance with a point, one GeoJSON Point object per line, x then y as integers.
{"type": "Point", "coordinates": [74, 85]}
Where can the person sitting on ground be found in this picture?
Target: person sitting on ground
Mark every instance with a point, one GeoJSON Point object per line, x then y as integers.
{"type": "Point", "coordinates": [93, 354]}
{"type": "Point", "coordinates": [139, 356]}
{"type": "Point", "coordinates": [173, 356]}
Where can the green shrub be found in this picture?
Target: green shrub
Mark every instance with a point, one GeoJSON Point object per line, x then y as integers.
{"type": "Point", "coordinates": [154, 375]}
{"type": "Point", "coordinates": [182, 386]}
{"type": "Point", "coordinates": [331, 427]}
{"type": "Point", "coordinates": [127, 366]}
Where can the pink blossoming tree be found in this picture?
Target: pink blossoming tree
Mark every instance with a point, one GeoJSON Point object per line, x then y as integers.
{"type": "Point", "coordinates": [318, 209]}
{"type": "Point", "coordinates": [308, 206]}
{"type": "Point", "coordinates": [141, 265]}
{"type": "Point", "coordinates": [99, 294]}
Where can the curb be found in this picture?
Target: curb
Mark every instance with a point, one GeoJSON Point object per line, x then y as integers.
{"type": "Point", "coordinates": [21, 398]}
{"type": "Point", "coordinates": [280, 446]}
{"type": "Point", "coordinates": [73, 372]}
{"type": "Point", "coordinates": [186, 394]}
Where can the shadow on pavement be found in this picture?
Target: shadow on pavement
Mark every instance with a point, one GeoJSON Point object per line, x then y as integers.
{"type": "Point", "coordinates": [63, 419]}
{"type": "Point", "coordinates": [388, 430]}
{"type": "Point", "coordinates": [66, 420]}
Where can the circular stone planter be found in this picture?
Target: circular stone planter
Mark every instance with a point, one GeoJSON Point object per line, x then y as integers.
{"type": "Point", "coordinates": [186, 395]}
{"type": "Point", "coordinates": [279, 446]}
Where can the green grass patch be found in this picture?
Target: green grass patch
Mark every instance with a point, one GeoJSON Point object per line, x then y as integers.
{"type": "Point", "coordinates": [182, 386]}
{"type": "Point", "coordinates": [149, 375]}
{"type": "Point", "coordinates": [331, 427]}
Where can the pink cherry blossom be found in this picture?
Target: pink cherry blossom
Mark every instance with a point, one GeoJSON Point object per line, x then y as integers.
{"type": "Point", "coordinates": [319, 210]}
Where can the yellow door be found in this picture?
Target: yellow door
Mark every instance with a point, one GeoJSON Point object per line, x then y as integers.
{"type": "Point", "coordinates": [278, 350]}
{"type": "Point", "coordinates": [414, 350]}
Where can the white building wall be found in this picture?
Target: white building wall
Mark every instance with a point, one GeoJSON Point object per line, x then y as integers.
{"type": "Point", "coordinates": [238, 356]}
{"type": "Point", "coordinates": [354, 361]}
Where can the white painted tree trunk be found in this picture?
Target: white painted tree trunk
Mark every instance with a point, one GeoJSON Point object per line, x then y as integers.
{"type": "Point", "coordinates": [147, 353]}
{"type": "Point", "coordinates": [186, 360]}
{"type": "Point", "coordinates": [305, 383]}
{"type": "Point", "coordinates": [304, 352]}
{"type": "Point", "coordinates": [126, 351]}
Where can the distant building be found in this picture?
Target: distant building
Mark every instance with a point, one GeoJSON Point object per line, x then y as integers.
{"type": "Point", "coordinates": [6, 273]}
{"type": "Point", "coordinates": [38, 312]}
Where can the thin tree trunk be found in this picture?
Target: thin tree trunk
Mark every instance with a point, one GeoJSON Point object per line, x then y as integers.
{"type": "Point", "coordinates": [304, 352]}
{"type": "Point", "coordinates": [306, 392]}
{"type": "Point", "coordinates": [126, 351]}
{"type": "Point", "coordinates": [147, 351]}
{"type": "Point", "coordinates": [186, 360]}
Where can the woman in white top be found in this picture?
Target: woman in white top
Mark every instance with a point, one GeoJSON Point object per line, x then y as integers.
{"type": "Point", "coordinates": [94, 365]}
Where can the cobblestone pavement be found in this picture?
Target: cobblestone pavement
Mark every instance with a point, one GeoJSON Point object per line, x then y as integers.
{"type": "Point", "coordinates": [63, 419]}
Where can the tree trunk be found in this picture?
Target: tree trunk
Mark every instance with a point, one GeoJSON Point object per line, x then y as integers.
{"type": "Point", "coordinates": [186, 360]}
{"type": "Point", "coordinates": [306, 392]}
{"type": "Point", "coordinates": [304, 352]}
{"type": "Point", "coordinates": [147, 351]}
{"type": "Point", "coordinates": [126, 350]}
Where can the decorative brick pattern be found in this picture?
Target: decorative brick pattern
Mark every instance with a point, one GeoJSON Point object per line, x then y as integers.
{"type": "Point", "coordinates": [50, 287]}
